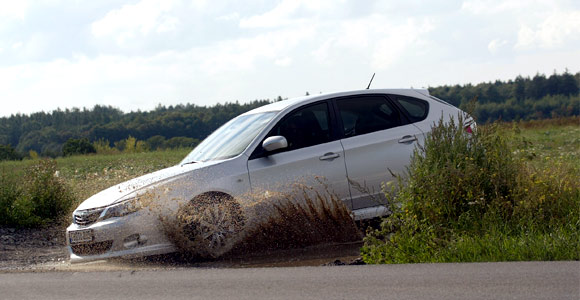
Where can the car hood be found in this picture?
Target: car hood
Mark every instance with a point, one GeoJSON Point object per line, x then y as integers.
{"type": "Point", "coordinates": [130, 188]}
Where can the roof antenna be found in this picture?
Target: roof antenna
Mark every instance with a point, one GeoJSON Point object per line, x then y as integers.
{"type": "Point", "coordinates": [369, 86]}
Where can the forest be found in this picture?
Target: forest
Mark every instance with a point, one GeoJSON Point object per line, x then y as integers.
{"type": "Point", "coordinates": [108, 129]}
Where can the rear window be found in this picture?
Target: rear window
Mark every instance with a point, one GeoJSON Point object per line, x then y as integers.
{"type": "Point", "coordinates": [416, 109]}
{"type": "Point", "coordinates": [362, 115]}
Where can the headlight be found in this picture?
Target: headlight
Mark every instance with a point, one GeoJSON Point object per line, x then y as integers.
{"type": "Point", "coordinates": [122, 209]}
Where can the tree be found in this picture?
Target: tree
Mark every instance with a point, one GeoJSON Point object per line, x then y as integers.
{"type": "Point", "coordinates": [568, 85]}
{"type": "Point", "coordinates": [8, 153]}
{"type": "Point", "coordinates": [156, 142]}
{"type": "Point", "coordinates": [77, 146]}
{"type": "Point", "coordinates": [520, 88]}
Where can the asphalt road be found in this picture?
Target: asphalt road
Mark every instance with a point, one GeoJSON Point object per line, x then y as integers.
{"type": "Point", "coordinates": [512, 280]}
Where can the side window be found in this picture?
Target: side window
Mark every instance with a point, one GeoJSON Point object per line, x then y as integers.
{"type": "Point", "coordinates": [305, 127]}
{"type": "Point", "coordinates": [367, 114]}
{"type": "Point", "coordinates": [415, 108]}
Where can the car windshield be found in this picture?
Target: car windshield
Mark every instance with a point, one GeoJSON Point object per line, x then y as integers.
{"type": "Point", "coordinates": [230, 139]}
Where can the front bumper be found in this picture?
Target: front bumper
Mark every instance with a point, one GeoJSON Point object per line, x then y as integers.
{"type": "Point", "coordinates": [136, 235]}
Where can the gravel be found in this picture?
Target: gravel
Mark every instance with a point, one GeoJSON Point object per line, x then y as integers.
{"type": "Point", "coordinates": [25, 248]}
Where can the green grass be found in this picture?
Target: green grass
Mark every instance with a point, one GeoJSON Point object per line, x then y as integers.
{"type": "Point", "coordinates": [549, 145]}
{"type": "Point", "coordinates": [77, 177]}
{"type": "Point", "coordinates": [89, 174]}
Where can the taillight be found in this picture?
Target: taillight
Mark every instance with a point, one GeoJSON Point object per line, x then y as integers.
{"type": "Point", "coordinates": [469, 126]}
{"type": "Point", "coordinates": [468, 129]}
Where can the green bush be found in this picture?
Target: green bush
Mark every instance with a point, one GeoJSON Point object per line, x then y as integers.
{"type": "Point", "coordinates": [78, 146]}
{"type": "Point", "coordinates": [10, 192]}
{"type": "Point", "coordinates": [37, 198]}
{"type": "Point", "coordinates": [466, 192]}
{"type": "Point", "coordinates": [48, 193]}
{"type": "Point", "coordinates": [9, 153]}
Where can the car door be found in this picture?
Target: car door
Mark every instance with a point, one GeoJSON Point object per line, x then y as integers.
{"type": "Point", "coordinates": [378, 142]}
{"type": "Point", "coordinates": [313, 159]}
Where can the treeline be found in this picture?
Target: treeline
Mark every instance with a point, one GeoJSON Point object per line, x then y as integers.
{"type": "Point", "coordinates": [109, 130]}
{"type": "Point", "coordinates": [524, 98]}
{"type": "Point", "coordinates": [105, 126]}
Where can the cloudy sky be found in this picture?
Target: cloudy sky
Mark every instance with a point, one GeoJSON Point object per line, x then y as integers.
{"type": "Point", "coordinates": [138, 54]}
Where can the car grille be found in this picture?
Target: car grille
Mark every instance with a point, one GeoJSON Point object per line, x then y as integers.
{"type": "Point", "coordinates": [92, 248]}
{"type": "Point", "coordinates": [87, 217]}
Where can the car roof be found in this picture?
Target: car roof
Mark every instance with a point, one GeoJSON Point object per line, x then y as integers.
{"type": "Point", "coordinates": [298, 101]}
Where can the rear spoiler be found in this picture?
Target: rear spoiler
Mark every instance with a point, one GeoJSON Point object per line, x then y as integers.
{"type": "Point", "coordinates": [424, 92]}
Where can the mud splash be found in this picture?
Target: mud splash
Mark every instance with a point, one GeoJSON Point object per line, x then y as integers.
{"type": "Point", "coordinates": [216, 225]}
{"type": "Point", "coordinates": [310, 217]}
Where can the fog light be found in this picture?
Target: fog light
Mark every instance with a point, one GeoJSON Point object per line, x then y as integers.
{"type": "Point", "coordinates": [134, 240]}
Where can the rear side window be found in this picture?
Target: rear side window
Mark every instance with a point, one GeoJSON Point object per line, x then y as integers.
{"type": "Point", "coordinates": [416, 109]}
{"type": "Point", "coordinates": [367, 114]}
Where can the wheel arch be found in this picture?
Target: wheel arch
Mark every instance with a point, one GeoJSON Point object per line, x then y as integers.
{"type": "Point", "coordinates": [219, 194]}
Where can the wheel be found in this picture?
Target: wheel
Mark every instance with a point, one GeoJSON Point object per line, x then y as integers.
{"type": "Point", "coordinates": [209, 224]}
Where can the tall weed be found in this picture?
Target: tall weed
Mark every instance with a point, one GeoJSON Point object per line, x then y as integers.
{"type": "Point", "coordinates": [37, 198]}
{"type": "Point", "coordinates": [471, 191]}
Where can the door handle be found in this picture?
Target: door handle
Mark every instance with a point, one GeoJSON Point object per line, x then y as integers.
{"type": "Point", "coordinates": [407, 139]}
{"type": "Point", "coordinates": [329, 156]}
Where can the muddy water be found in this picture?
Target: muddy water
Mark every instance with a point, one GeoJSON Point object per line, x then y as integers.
{"type": "Point", "coordinates": [308, 228]}
{"type": "Point", "coordinates": [261, 222]}
{"type": "Point", "coordinates": [36, 260]}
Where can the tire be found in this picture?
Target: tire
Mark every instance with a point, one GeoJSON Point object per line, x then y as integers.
{"type": "Point", "coordinates": [210, 224]}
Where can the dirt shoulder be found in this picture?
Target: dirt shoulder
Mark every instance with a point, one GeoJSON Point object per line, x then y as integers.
{"type": "Point", "coordinates": [27, 248]}
{"type": "Point", "coordinates": [44, 249]}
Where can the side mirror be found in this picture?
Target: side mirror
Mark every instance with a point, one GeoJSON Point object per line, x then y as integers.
{"type": "Point", "coordinates": [274, 143]}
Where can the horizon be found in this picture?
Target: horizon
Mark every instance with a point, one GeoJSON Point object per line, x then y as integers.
{"type": "Point", "coordinates": [267, 99]}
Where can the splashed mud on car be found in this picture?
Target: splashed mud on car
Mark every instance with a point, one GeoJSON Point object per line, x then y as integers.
{"type": "Point", "coordinates": [262, 221]}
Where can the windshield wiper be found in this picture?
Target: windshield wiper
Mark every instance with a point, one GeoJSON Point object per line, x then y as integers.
{"type": "Point", "coordinates": [189, 163]}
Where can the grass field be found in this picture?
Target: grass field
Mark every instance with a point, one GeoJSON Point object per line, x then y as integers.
{"type": "Point", "coordinates": [86, 175]}
{"type": "Point", "coordinates": [545, 144]}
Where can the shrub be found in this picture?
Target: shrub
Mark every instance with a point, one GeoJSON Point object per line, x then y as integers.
{"type": "Point", "coordinates": [34, 199]}
{"type": "Point", "coordinates": [50, 197]}
{"type": "Point", "coordinates": [78, 146]}
{"type": "Point", "coordinates": [10, 192]}
{"type": "Point", "coordinates": [467, 187]}
{"type": "Point", "coordinates": [180, 142]}
{"type": "Point", "coordinates": [103, 146]}
{"type": "Point", "coordinates": [8, 153]}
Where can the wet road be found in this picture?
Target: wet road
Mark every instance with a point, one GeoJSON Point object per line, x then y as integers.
{"type": "Point", "coordinates": [512, 280]}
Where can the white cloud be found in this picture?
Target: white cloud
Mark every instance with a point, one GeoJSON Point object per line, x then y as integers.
{"type": "Point", "coordinates": [289, 12]}
{"type": "Point", "coordinates": [14, 9]}
{"type": "Point", "coordinates": [400, 40]}
{"type": "Point", "coordinates": [283, 62]}
{"type": "Point", "coordinates": [229, 17]}
{"type": "Point", "coordinates": [495, 45]}
{"type": "Point", "coordinates": [83, 81]}
{"type": "Point", "coordinates": [377, 40]}
{"type": "Point", "coordinates": [279, 16]}
{"type": "Point", "coordinates": [321, 54]}
{"type": "Point", "coordinates": [242, 53]}
{"type": "Point", "coordinates": [141, 19]}
{"type": "Point", "coordinates": [554, 31]}
{"type": "Point", "coordinates": [500, 6]}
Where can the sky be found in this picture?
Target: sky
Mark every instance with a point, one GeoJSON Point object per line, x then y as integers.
{"type": "Point", "coordinates": [135, 55]}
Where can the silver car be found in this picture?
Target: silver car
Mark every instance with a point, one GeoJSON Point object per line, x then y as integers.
{"type": "Point", "coordinates": [350, 139]}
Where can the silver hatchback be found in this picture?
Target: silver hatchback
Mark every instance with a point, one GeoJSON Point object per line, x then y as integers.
{"type": "Point", "coordinates": [350, 139]}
